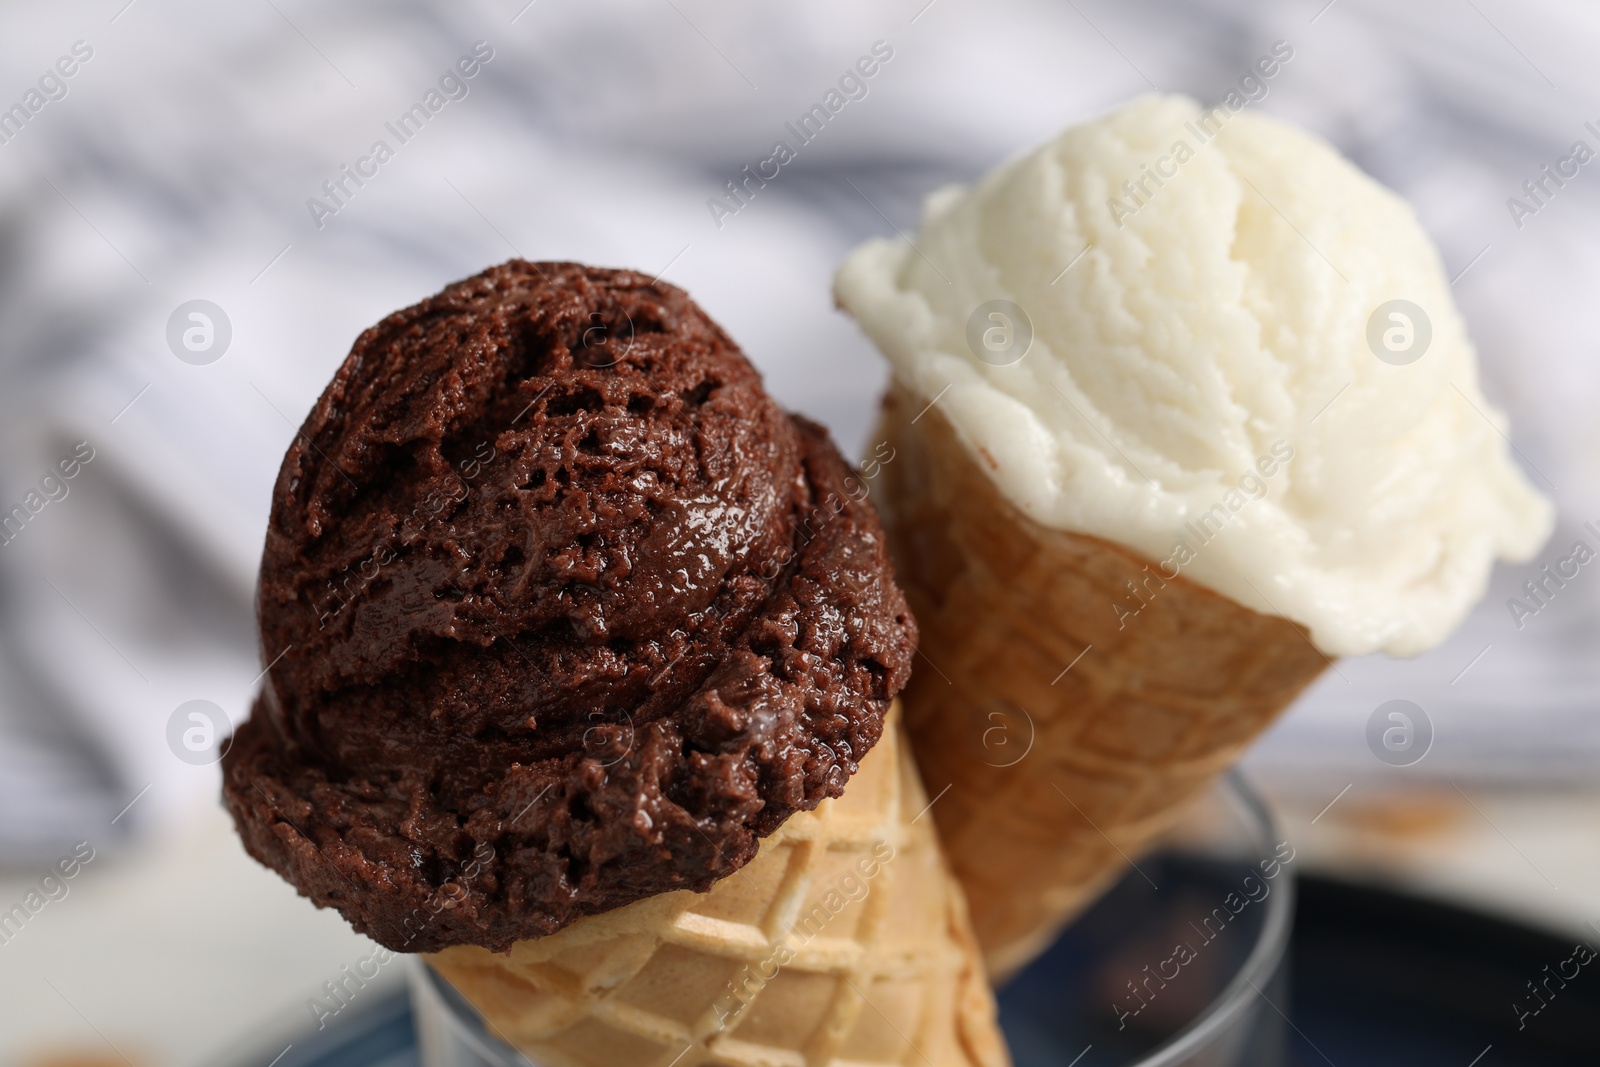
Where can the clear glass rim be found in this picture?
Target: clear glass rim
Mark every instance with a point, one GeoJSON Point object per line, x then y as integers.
{"type": "Point", "coordinates": [1265, 956]}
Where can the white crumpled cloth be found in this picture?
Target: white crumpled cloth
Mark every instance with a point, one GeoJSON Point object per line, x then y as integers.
{"type": "Point", "coordinates": [179, 163]}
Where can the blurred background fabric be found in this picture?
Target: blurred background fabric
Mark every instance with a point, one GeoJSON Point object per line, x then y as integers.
{"type": "Point", "coordinates": [179, 163]}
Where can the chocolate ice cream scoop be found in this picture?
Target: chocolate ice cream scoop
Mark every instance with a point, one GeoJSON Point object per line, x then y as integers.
{"type": "Point", "coordinates": [564, 612]}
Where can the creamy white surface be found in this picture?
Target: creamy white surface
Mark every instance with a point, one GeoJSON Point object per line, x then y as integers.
{"type": "Point", "coordinates": [1220, 317]}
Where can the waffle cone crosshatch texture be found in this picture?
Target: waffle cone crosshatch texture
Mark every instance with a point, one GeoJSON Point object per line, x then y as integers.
{"type": "Point", "coordinates": [845, 941]}
{"type": "Point", "coordinates": [1066, 737]}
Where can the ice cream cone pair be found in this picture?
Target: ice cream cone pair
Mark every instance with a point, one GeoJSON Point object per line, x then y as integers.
{"type": "Point", "coordinates": [1071, 695]}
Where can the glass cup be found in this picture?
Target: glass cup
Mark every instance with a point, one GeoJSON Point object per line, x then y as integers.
{"type": "Point", "coordinates": [1181, 964]}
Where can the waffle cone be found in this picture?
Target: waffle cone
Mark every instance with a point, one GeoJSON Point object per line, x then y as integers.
{"type": "Point", "coordinates": [1067, 733]}
{"type": "Point", "coordinates": [843, 942]}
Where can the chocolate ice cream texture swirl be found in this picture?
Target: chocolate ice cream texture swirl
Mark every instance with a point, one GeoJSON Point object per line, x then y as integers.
{"type": "Point", "coordinates": [570, 613]}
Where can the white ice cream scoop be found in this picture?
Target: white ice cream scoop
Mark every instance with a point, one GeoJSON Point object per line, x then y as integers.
{"type": "Point", "coordinates": [1207, 336]}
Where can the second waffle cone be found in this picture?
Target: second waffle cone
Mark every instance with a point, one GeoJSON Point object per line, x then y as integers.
{"type": "Point", "coordinates": [1066, 733]}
